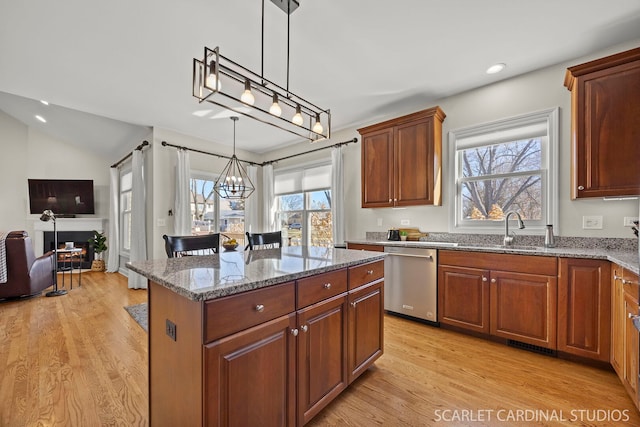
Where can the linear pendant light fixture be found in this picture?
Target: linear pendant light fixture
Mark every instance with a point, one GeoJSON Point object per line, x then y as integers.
{"type": "Point", "coordinates": [227, 84]}
{"type": "Point", "coordinates": [233, 182]}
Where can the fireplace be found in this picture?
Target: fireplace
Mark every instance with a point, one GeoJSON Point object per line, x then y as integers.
{"type": "Point", "coordinates": [79, 239]}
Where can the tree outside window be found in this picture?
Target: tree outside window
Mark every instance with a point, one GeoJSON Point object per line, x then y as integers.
{"type": "Point", "coordinates": [305, 218]}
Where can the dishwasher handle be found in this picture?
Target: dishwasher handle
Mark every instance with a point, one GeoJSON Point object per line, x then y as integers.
{"type": "Point", "coordinates": [410, 255]}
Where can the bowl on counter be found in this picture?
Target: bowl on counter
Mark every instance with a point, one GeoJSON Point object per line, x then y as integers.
{"type": "Point", "coordinates": [229, 246]}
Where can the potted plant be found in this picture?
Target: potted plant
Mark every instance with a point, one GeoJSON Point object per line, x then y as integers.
{"type": "Point", "coordinates": [99, 243]}
{"type": "Point", "coordinates": [403, 235]}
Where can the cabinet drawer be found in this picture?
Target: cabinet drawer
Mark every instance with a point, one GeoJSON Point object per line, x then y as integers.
{"type": "Point", "coordinates": [365, 273]}
{"type": "Point", "coordinates": [543, 265]}
{"type": "Point", "coordinates": [317, 288]}
{"type": "Point", "coordinates": [228, 315]}
{"type": "Point", "coordinates": [630, 284]}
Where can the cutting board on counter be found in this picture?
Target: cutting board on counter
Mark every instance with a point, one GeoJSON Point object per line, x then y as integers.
{"type": "Point", "coordinates": [413, 233]}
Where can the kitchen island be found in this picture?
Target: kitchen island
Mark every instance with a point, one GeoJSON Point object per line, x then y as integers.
{"type": "Point", "coordinates": [265, 337]}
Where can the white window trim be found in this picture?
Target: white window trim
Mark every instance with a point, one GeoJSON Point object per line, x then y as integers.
{"type": "Point", "coordinates": [125, 169]}
{"type": "Point", "coordinates": [550, 179]}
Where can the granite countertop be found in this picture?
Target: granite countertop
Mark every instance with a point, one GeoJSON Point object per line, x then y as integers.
{"type": "Point", "coordinates": [207, 277]}
{"type": "Point", "coordinates": [628, 259]}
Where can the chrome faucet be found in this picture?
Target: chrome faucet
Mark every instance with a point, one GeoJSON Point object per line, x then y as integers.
{"type": "Point", "coordinates": [508, 237]}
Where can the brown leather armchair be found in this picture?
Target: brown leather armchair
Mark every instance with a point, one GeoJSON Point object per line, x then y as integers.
{"type": "Point", "coordinates": [26, 274]}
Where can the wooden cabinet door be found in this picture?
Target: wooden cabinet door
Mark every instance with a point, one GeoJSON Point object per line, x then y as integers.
{"type": "Point", "coordinates": [630, 377]}
{"type": "Point", "coordinates": [250, 376]}
{"type": "Point", "coordinates": [523, 308]}
{"type": "Point", "coordinates": [366, 321]}
{"type": "Point", "coordinates": [377, 169]}
{"type": "Point", "coordinates": [605, 127]}
{"type": "Point", "coordinates": [413, 169]}
{"type": "Point", "coordinates": [617, 322]}
{"type": "Point", "coordinates": [584, 308]}
{"type": "Point", "coordinates": [322, 355]}
{"type": "Point", "coordinates": [365, 247]}
{"type": "Point", "coordinates": [463, 298]}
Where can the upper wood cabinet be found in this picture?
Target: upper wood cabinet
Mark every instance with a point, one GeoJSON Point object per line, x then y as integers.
{"type": "Point", "coordinates": [402, 161]}
{"type": "Point", "coordinates": [605, 106]}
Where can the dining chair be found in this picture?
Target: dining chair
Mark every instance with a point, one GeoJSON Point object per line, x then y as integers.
{"type": "Point", "coordinates": [179, 246]}
{"type": "Point", "coordinates": [264, 240]}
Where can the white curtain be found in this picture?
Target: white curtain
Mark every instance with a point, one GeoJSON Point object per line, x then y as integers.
{"type": "Point", "coordinates": [182, 208]}
{"type": "Point", "coordinates": [268, 213]}
{"type": "Point", "coordinates": [251, 204]}
{"type": "Point", "coordinates": [138, 250]}
{"type": "Point", "coordinates": [113, 262]}
{"type": "Point", "coordinates": [337, 195]}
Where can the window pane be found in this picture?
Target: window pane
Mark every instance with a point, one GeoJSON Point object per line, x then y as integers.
{"type": "Point", "coordinates": [291, 224]}
{"type": "Point", "coordinates": [126, 181]}
{"type": "Point", "coordinates": [319, 199]}
{"type": "Point", "coordinates": [125, 201]}
{"type": "Point", "coordinates": [232, 218]}
{"type": "Point", "coordinates": [291, 202]}
{"type": "Point", "coordinates": [510, 157]}
{"type": "Point", "coordinates": [321, 229]}
{"type": "Point", "coordinates": [490, 199]}
{"type": "Point", "coordinates": [126, 231]}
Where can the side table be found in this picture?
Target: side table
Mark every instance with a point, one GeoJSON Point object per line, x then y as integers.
{"type": "Point", "coordinates": [67, 262]}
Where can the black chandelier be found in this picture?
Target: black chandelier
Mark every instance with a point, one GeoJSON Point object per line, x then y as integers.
{"type": "Point", "coordinates": [223, 82]}
{"type": "Point", "coordinates": [233, 182]}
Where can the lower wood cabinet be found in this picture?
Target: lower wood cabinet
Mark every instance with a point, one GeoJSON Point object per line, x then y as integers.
{"type": "Point", "coordinates": [508, 296]}
{"type": "Point", "coordinates": [366, 327]}
{"type": "Point", "coordinates": [365, 247]}
{"type": "Point", "coordinates": [584, 308]}
{"type": "Point", "coordinates": [624, 335]}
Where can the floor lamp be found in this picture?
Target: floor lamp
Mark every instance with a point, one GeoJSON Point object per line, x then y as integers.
{"type": "Point", "coordinates": [46, 216]}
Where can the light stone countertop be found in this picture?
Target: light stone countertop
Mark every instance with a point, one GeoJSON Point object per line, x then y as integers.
{"type": "Point", "coordinates": [625, 258]}
{"type": "Point", "coordinates": [205, 277]}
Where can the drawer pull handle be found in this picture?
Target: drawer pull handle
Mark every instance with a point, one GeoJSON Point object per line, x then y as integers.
{"type": "Point", "coordinates": [369, 271]}
{"type": "Point", "coordinates": [580, 187]}
{"type": "Point", "coordinates": [327, 285]}
{"type": "Point", "coordinates": [493, 280]}
{"type": "Point", "coordinates": [260, 307]}
{"type": "Point", "coordinates": [304, 328]}
{"type": "Point", "coordinates": [616, 277]}
{"type": "Point", "coordinates": [294, 332]}
{"type": "Point", "coordinates": [353, 304]}
{"type": "Point", "coordinates": [484, 279]}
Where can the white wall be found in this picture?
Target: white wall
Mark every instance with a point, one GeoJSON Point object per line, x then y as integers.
{"type": "Point", "coordinates": [28, 153]}
{"type": "Point", "coordinates": [527, 93]}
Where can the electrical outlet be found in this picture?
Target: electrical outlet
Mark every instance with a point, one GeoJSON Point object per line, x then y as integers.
{"type": "Point", "coordinates": [405, 222]}
{"type": "Point", "coordinates": [379, 222]}
{"type": "Point", "coordinates": [171, 329]}
{"type": "Point", "coordinates": [628, 221]}
{"type": "Point", "coordinates": [592, 222]}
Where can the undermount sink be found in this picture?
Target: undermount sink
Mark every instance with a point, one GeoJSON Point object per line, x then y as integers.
{"type": "Point", "coordinates": [512, 247]}
{"type": "Point", "coordinates": [414, 242]}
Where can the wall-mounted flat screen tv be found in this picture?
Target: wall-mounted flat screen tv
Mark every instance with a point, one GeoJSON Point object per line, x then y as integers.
{"type": "Point", "coordinates": [62, 196]}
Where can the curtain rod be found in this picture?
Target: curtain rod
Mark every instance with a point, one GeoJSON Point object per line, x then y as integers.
{"type": "Point", "coordinates": [268, 162]}
{"type": "Point", "coordinates": [139, 147]}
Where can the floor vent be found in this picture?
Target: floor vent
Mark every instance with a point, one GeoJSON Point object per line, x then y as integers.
{"type": "Point", "coordinates": [531, 347]}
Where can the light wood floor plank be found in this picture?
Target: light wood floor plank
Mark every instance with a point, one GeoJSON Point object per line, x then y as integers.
{"type": "Point", "coordinates": [81, 360]}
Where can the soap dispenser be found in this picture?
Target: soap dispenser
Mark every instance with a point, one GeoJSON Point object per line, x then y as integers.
{"type": "Point", "coordinates": [549, 239]}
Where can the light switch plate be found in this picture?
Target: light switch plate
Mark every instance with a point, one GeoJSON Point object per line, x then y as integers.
{"type": "Point", "coordinates": [405, 222]}
{"type": "Point", "coordinates": [592, 222]}
{"type": "Point", "coordinates": [628, 221]}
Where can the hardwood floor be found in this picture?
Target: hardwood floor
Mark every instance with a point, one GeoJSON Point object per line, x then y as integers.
{"type": "Point", "coordinates": [81, 360]}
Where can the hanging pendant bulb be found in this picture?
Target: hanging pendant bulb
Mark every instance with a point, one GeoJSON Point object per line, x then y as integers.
{"type": "Point", "coordinates": [247, 97]}
{"type": "Point", "coordinates": [213, 82]}
{"type": "Point", "coordinates": [297, 118]}
{"type": "Point", "coordinates": [275, 107]}
{"type": "Point", "coordinates": [317, 127]}
{"type": "Point", "coordinates": [233, 182]}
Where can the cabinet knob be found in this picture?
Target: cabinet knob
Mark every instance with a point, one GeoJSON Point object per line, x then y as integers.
{"type": "Point", "coordinates": [327, 285]}
{"type": "Point", "coordinates": [616, 277]}
{"type": "Point", "coordinates": [633, 316]}
{"type": "Point", "coordinates": [580, 187]}
{"type": "Point", "coordinates": [353, 304]}
{"type": "Point", "coordinates": [294, 332]}
{"type": "Point", "coordinates": [260, 307]}
{"type": "Point", "coordinates": [390, 200]}
{"type": "Point", "coordinates": [493, 280]}
{"type": "Point", "coordinates": [304, 328]}
{"type": "Point", "coordinates": [484, 279]}
{"type": "Point", "coordinates": [369, 271]}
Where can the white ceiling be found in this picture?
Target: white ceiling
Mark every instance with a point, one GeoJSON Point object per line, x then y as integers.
{"type": "Point", "coordinates": [131, 61]}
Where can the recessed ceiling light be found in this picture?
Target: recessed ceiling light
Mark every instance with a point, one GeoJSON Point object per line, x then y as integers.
{"type": "Point", "coordinates": [42, 119]}
{"type": "Point", "coordinates": [496, 68]}
{"type": "Point", "coordinates": [44, 102]}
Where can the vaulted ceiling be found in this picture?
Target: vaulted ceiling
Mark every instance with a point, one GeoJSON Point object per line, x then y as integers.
{"type": "Point", "coordinates": [130, 63]}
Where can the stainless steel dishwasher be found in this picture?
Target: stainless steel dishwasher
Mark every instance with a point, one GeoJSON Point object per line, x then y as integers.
{"type": "Point", "coordinates": [410, 282]}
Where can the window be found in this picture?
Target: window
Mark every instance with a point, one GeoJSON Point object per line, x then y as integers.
{"type": "Point", "coordinates": [303, 204]}
{"type": "Point", "coordinates": [126, 185]}
{"type": "Point", "coordinates": [508, 165]}
{"type": "Point", "coordinates": [213, 214]}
